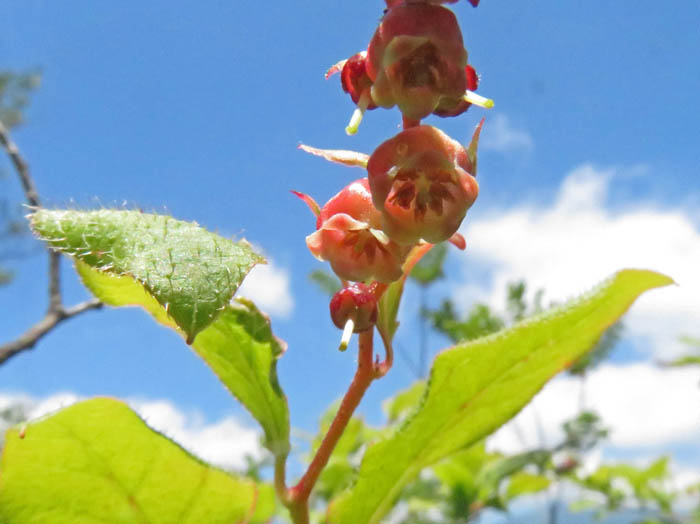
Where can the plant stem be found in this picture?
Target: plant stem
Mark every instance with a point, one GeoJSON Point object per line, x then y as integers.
{"type": "Point", "coordinates": [297, 498]}
{"type": "Point", "coordinates": [280, 476]}
{"type": "Point", "coordinates": [409, 122]}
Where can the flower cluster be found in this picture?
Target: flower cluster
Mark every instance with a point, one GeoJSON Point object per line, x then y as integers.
{"type": "Point", "coordinates": [420, 183]}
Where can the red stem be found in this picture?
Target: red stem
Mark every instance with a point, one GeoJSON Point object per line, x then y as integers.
{"type": "Point", "coordinates": [409, 122]}
{"type": "Point", "coordinates": [298, 496]}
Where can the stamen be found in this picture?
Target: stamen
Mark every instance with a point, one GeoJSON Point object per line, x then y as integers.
{"type": "Point", "coordinates": [380, 236]}
{"type": "Point", "coordinates": [359, 112]}
{"type": "Point", "coordinates": [347, 333]}
{"type": "Point", "coordinates": [478, 100]}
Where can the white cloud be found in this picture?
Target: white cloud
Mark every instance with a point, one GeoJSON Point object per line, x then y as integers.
{"type": "Point", "coordinates": [643, 405]}
{"type": "Point", "coordinates": [224, 443]}
{"type": "Point", "coordinates": [268, 285]}
{"type": "Point", "coordinates": [500, 135]}
{"type": "Point", "coordinates": [574, 243]}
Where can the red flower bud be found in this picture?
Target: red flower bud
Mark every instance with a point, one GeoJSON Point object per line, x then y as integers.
{"type": "Point", "coordinates": [422, 182]}
{"type": "Point", "coordinates": [349, 236]}
{"type": "Point", "coordinates": [354, 78]}
{"type": "Point", "coordinates": [416, 59]}
{"type": "Point", "coordinates": [393, 3]}
{"type": "Point", "coordinates": [356, 302]}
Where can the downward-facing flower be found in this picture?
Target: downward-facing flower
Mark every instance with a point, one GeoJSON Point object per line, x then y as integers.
{"type": "Point", "coordinates": [349, 236]}
{"type": "Point", "coordinates": [423, 183]}
{"type": "Point", "coordinates": [417, 61]}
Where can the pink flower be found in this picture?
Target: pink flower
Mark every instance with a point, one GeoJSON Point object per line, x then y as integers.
{"type": "Point", "coordinates": [417, 60]}
{"type": "Point", "coordinates": [422, 182]}
{"type": "Point", "coordinates": [349, 236]}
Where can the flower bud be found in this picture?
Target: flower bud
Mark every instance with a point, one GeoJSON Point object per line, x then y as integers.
{"type": "Point", "coordinates": [349, 236]}
{"type": "Point", "coordinates": [356, 302]}
{"type": "Point", "coordinates": [421, 181]}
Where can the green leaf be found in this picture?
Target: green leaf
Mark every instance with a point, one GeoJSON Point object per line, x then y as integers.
{"type": "Point", "coordinates": [476, 387]}
{"type": "Point", "coordinates": [524, 483]}
{"type": "Point", "coordinates": [388, 306]}
{"type": "Point", "coordinates": [98, 462]}
{"type": "Point", "coordinates": [241, 349]}
{"type": "Point", "coordinates": [686, 360]}
{"type": "Point", "coordinates": [190, 272]}
{"type": "Point", "coordinates": [326, 281]}
{"type": "Point", "coordinates": [339, 472]}
{"type": "Point", "coordinates": [404, 402]}
{"type": "Point", "coordinates": [238, 346]}
{"type": "Point", "coordinates": [429, 268]}
{"type": "Point", "coordinates": [497, 470]}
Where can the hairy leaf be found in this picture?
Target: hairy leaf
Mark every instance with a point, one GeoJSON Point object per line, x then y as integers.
{"type": "Point", "coordinates": [98, 462]}
{"type": "Point", "coordinates": [190, 272]}
{"type": "Point", "coordinates": [238, 346]}
{"type": "Point", "coordinates": [241, 349]}
{"type": "Point", "coordinates": [476, 387]}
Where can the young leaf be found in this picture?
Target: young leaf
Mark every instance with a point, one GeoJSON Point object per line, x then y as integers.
{"type": "Point", "coordinates": [238, 345]}
{"type": "Point", "coordinates": [524, 483]}
{"type": "Point", "coordinates": [97, 461]}
{"type": "Point", "coordinates": [190, 272]}
{"type": "Point", "coordinates": [430, 267]}
{"type": "Point", "coordinates": [476, 387]}
{"type": "Point", "coordinates": [240, 348]}
{"type": "Point", "coordinates": [388, 307]}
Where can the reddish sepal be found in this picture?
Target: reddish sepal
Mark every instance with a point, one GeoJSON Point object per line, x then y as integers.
{"type": "Point", "coordinates": [348, 237]}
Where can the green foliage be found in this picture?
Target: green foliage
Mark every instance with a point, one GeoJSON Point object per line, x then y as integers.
{"type": "Point", "coordinates": [583, 432]}
{"type": "Point", "coordinates": [429, 268]}
{"type": "Point", "coordinates": [614, 482]}
{"type": "Point", "coordinates": [691, 359]}
{"type": "Point", "coordinates": [403, 403]}
{"type": "Point", "coordinates": [97, 461]}
{"type": "Point", "coordinates": [523, 483]}
{"type": "Point", "coordinates": [240, 348]}
{"type": "Point", "coordinates": [9, 416]}
{"type": "Point", "coordinates": [5, 277]}
{"type": "Point", "coordinates": [185, 277]}
{"type": "Point", "coordinates": [600, 352]}
{"type": "Point", "coordinates": [190, 272]}
{"type": "Point", "coordinates": [326, 281]}
{"type": "Point", "coordinates": [339, 473]}
{"type": "Point", "coordinates": [476, 387]}
{"type": "Point", "coordinates": [480, 321]}
{"type": "Point", "coordinates": [15, 90]}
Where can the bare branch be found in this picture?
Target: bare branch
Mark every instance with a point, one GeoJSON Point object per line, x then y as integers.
{"type": "Point", "coordinates": [56, 313]}
{"type": "Point", "coordinates": [21, 167]}
{"type": "Point", "coordinates": [30, 337]}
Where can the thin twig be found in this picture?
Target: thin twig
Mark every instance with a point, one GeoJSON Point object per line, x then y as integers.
{"type": "Point", "coordinates": [30, 337]}
{"type": "Point", "coordinates": [21, 167]}
{"type": "Point", "coordinates": [56, 312]}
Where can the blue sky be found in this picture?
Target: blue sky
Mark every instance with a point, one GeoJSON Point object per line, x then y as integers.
{"type": "Point", "coordinates": [198, 112]}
